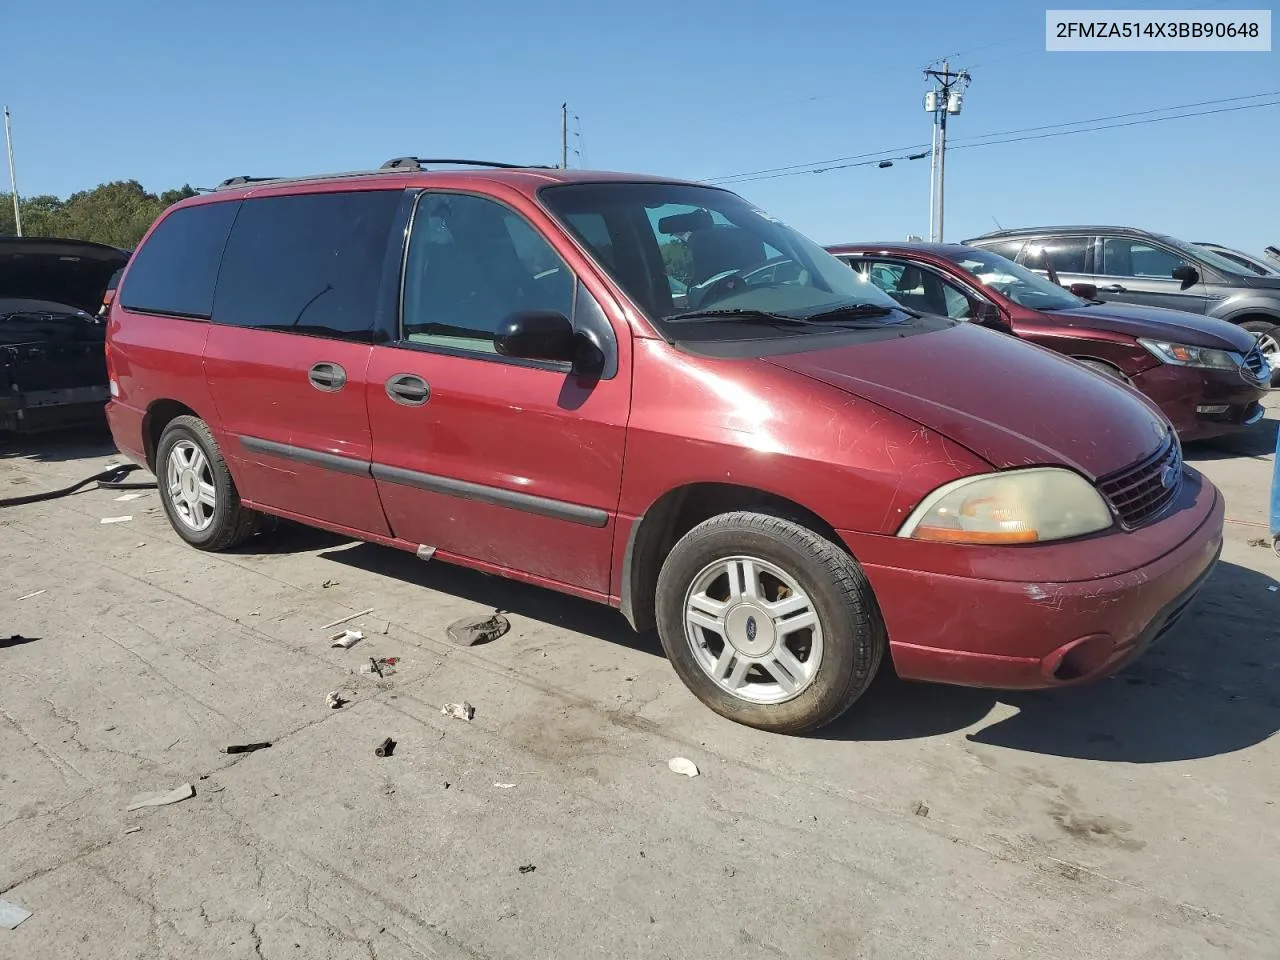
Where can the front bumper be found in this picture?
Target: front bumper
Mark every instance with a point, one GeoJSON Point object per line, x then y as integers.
{"type": "Point", "coordinates": [1093, 605]}
{"type": "Point", "coordinates": [1203, 403]}
{"type": "Point", "coordinates": [39, 410]}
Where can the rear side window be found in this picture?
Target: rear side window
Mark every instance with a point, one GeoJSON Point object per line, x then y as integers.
{"type": "Point", "coordinates": [1066, 253]}
{"type": "Point", "coordinates": [307, 263]}
{"type": "Point", "coordinates": [1009, 249]}
{"type": "Point", "coordinates": [175, 271]}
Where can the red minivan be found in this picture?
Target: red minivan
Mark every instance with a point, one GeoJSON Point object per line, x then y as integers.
{"type": "Point", "coordinates": [588, 382]}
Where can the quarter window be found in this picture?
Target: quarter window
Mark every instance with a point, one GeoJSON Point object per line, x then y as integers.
{"type": "Point", "coordinates": [307, 263]}
{"type": "Point", "coordinates": [1122, 257]}
{"type": "Point", "coordinates": [473, 262]}
{"type": "Point", "coordinates": [175, 271]}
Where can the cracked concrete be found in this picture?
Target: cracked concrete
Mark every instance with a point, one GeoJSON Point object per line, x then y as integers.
{"type": "Point", "coordinates": [1135, 817]}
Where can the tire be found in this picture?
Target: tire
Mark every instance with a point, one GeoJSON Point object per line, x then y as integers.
{"type": "Point", "coordinates": [223, 525]}
{"type": "Point", "coordinates": [1106, 369]}
{"type": "Point", "coordinates": [1266, 331]}
{"type": "Point", "coordinates": [831, 664]}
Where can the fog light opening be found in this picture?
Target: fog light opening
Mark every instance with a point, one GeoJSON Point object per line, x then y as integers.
{"type": "Point", "coordinates": [1083, 657]}
{"type": "Point", "coordinates": [1213, 408]}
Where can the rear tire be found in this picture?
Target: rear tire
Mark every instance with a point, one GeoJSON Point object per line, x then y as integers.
{"type": "Point", "coordinates": [768, 623]}
{"type": "Point", "coordinates": [1268, 334]}
{"type": "Point", "coordinates": [196, 488]}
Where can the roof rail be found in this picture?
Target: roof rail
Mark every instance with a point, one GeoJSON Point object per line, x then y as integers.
{"type": "Point", "coordinates": [241, 181]}
{"type": "Point", "coordinates": [420, 163]}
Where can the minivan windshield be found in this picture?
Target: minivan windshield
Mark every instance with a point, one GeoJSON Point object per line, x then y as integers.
{"type": "Point", "coordinates": [690, 254]}
{"type": "Point", "coordinates": [1022, 286]}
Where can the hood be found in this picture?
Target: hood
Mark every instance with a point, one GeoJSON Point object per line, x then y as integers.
{"type": "Point", "coordinates": [70, 272]}
{"type": "Point", "coordinates": [1012, 403]}
{"type": "Point", "coordinates": [1256, 280]}
{"type": "Point", "coordinates": [1158, 323]}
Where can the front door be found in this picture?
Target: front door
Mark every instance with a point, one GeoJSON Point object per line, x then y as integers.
{"type": "Point", "coordinates": [510, 465]}
{"type": "Point", "coordinates": [1133, 270]}
{"type": "Point", "coordinates": [286, 358]}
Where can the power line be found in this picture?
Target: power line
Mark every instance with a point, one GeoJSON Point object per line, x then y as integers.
{"type": "Point", "coordinates": [827, 168]}
{"type": "Point", "coordinates": [828, 164]}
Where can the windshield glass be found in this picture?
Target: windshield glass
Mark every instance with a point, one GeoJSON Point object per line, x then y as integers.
{"type": "Point", "coordinates": [1214, 260]}
{"type": "Point", "coordinates": [1019, 284]}
{"type": "Point", "coordinates": [682, 252]}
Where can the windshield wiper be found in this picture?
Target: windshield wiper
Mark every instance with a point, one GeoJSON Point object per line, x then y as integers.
{"type": "Point", "coordinates": [859, 311]}
{"type": "Point", "coordinates": [828, 318]}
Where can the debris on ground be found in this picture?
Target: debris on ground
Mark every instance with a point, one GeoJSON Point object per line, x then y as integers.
{"type": "Point", "coordinates": [127, 497]}
{"type": "Point", "coordinates": [382, 666]}
{"type": "Point", "coordinates": [115, 519]}
{"type": "Point", "coordinates": [35, 593]}
{"type": "Point", "coordinates": [472, 631]}
{"type": "Point", "coordinates": [11, 914]}
{"type": "Point", "coordinates": [133, 830]}
{"type": "Point", "coordinates": [334, 700]}
{"type": "Point", "coordinates": [682, 766]}
{"type": "Point", "coordinates": [347, 619]}
{"type": "Point", "coordinates": [922, 809]}
{"type": "Point", "coordinates": [528, 868]}
{"type": "Point", "coordinates": [504, 786]}
{"type": "Point", "coordinates": [15, 640]}
{"type": "Point", "coordinates": [329, 583]}
{"type": "Point", "coordinates": [346, 639]}
{"type": "Point", "coordinates": [1259, 542]}
{"type": "Point", "coordinates": [176, 795]}
{"type": "Point", "coordinates": [246, 747]}
{"type": "Point", "coordinates": [459, 711]}
{"type": "Point", "coordinates": [1273, 588]}
{"type": "Point", "coordinates": [385, 749]}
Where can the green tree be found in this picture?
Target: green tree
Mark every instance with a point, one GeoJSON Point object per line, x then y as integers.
{"type": "Point", "coordinates": [116, 213]}
{"type": "Point", "coordinates": [678, 260]}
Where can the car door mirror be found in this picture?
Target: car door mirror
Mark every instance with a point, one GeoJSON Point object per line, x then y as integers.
{"type": "Point", "coordinates": [989, 315]}
{"type": "Point", "coordinates": [1086, 291]}
{"type": "Point", "coordinates": [1185, 274]}
{"type": "Point", "coordinates": [547, 335]}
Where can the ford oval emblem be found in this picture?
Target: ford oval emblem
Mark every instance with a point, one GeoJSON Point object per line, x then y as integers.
{"type": "Point", "coordinates": [751, 628]}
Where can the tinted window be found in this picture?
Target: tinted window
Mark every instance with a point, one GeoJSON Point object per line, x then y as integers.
{"type": "Point", "coordinates": [174, 272]}
{"type": "Point", "coordinates": [1005, 248]}
{"type": "Point", "coordinates": [1066, 253]}
{"type": "Point", "coordinates": [309, 263]}
{"type": "Point", "coordinates": [1122, 257]}
{"type": "Point", "coordinates": [472, 263]}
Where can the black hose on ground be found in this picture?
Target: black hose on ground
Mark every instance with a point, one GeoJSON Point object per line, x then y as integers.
{"type": "Point", "coordinates": [107, 480]}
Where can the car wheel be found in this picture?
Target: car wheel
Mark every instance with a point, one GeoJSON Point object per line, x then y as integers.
{"type": "Point", "coordinates": [1268, 335]}
{"type": "Point", "coordinates": [768, 623]}
{"type": "Point", "coordinates": [1105, 369]}
{"type": "Point", "coordinates": [197, 491]}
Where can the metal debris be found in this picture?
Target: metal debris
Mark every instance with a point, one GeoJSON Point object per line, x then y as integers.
{"type": "Point", "coordinates": [472, 631]}
{"type": "Point", "coordinates": [385, 749]}
{"type": "Point", "coordinates": [246, 747]}
{"type": "Point", "coordinates": [382, 666]}
{"type": "Point", "coordinates": [922, 809]}
{"type": "Point", "coordinates": [347, 619]}
{"type": "Point", "coordinates": [35, 593]}
{"type": "Point", "coordinates": [459, 711]}
{"type": "Point", "coordinates": [346, 639]}
{"type": "Point", "coordinates": [11, 914]}
{"type": "Point", "coordinates": [682, 766]}
{"type": "Point", "coordinates": [528, 868]}
{"type": "Point", "coordinates": [1259, 542]}
{"type": "Point", "coordinates": [329, 583]}
{"type": "Point", "coordinates": [133, 830]}
{"type": "Point", "coordinates": [177, 795]}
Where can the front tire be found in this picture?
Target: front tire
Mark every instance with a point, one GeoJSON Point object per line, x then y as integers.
{"type": "Point", "coordinates": [196, 488]}
{"type": "Point", "coordinates": [768, 623]}
{"type": "Point", "coordinates": [1268, 335]}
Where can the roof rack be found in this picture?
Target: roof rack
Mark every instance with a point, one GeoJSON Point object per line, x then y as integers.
{"type": "Point", "coordinates": [420, 163]}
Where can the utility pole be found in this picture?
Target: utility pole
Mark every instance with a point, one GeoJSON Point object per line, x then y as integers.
{"type": "Point", "coordinates": [943, 101]}
{"type": "Point", "coordinates": [13, 178]}
{"type": "Point", "coordinates": [564, 136]}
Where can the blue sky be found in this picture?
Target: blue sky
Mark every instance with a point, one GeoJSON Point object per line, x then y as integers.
{"type": "Point", "coordinates": [170, 93]}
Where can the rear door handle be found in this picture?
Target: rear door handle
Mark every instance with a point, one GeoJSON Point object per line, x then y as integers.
{"type": "Point", "coordinates": [1114, 288]}
{"type": "Point", "coordinates": [329, 377]}
{"type": "Point", "coordinates": [408, 389]}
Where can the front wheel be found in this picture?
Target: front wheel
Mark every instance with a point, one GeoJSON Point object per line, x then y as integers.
{"type": "Point", "coordinates": [768, 623]}
{"type": "Point", "coordinates": [1268, 337]}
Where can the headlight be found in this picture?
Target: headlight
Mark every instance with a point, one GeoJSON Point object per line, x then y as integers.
{"type": "Point", "coordinates": [1182, 355]}
{"type": "Point", "coordinates": [1020, 506]}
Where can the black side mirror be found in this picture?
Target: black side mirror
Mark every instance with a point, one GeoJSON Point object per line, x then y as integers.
{"type": "Point", "coordinates": [1086, 291]}
{"type": "Point", "coordinates": [989, 315]}
{"type": "Point", "coordinates": [1185, 273]}
{"type": "Point", "coordinates": [547, 335]}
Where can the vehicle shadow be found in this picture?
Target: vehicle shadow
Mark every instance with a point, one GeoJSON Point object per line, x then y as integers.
{"type": "Point", "coordinates": [59, 446]}
{"type": "Point", "coordinates": [498, 593]}
{"type": "Point", "coordinates": [278, 537]}
{"type": "Point", "coordinates": [1258, 441]}
{"type": "Point", "coordinates": [1209, 688]}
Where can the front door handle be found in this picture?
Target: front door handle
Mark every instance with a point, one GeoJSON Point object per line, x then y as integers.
{"type": "Point", "coordinates": [329, 377]}
{"type": "Point", "coordinates": [408, 390]}
{"type": "Point", "coordinates": [1114, 288]}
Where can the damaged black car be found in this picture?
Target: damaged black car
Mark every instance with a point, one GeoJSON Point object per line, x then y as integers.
{"type": "Point", "coordinates": [52, 365]}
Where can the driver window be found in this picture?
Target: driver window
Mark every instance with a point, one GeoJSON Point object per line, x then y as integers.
{"type": "Point", "coordinates": [919, 289]}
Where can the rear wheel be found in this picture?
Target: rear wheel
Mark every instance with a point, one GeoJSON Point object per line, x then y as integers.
{"type": "Point", "coordinates": [1268, 336]}
{"type": "Point", "coordinates": [768, 623]}
{"type": "Point", "coordinates": [196, 488]}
